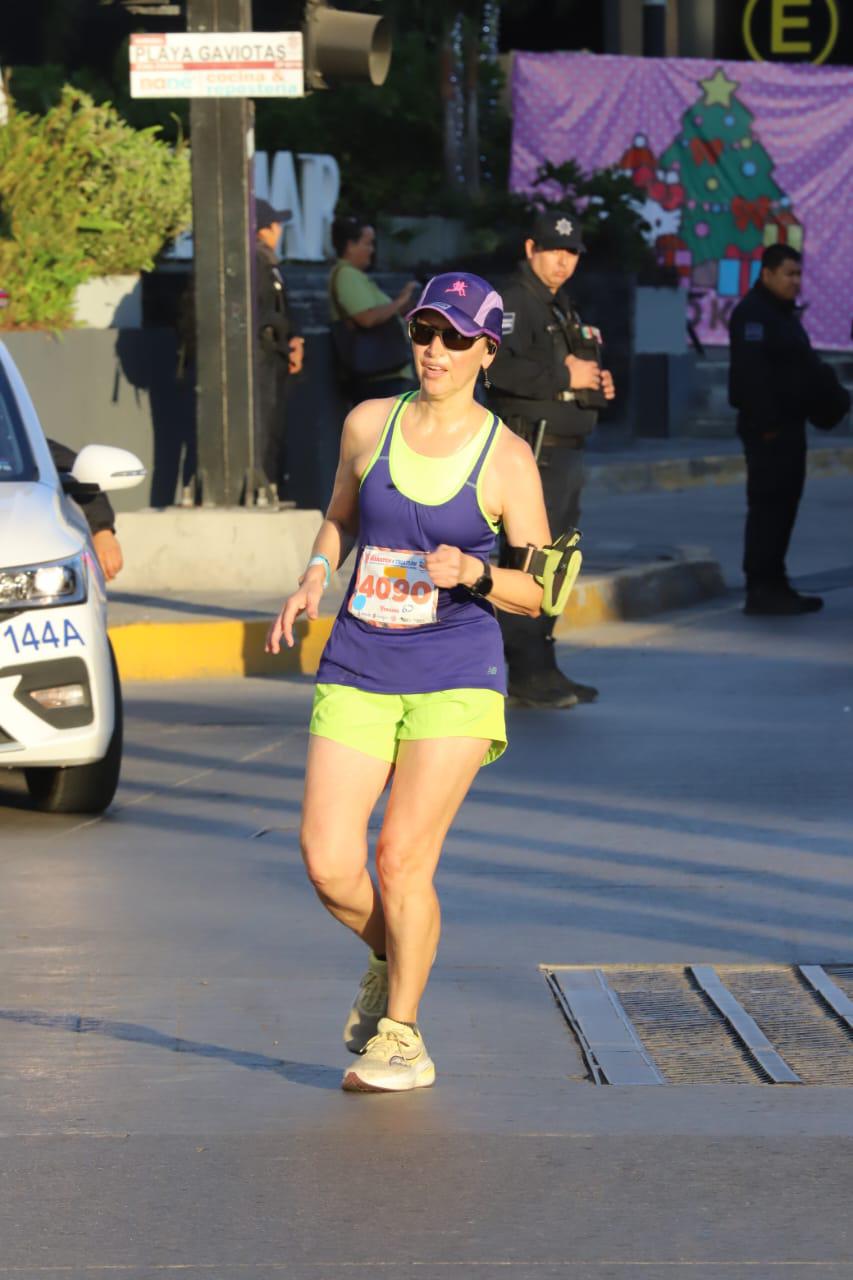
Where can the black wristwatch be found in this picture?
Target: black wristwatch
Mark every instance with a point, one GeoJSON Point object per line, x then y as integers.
{"type": "Point", "coordinates": [484, 584]}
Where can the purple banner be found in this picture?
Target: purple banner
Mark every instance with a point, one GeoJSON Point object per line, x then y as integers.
{"type": "Point", "coordinates": [726, 157]}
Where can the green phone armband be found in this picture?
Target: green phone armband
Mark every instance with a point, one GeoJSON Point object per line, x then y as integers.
{"type": "Point", "coordinates": [555, 568]}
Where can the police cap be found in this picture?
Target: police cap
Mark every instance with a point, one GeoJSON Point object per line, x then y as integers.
{"type": "Point", "coordinates": [266, 215]}
{"type": "Point", "coordinates": [556, 230]}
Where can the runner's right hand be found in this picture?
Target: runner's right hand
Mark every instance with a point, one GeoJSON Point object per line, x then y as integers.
{"type": "Point", "coordinates": [305, 599]}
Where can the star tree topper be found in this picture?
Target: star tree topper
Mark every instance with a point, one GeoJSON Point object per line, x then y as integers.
{"type": "Point", "coordinates": [718, 89]}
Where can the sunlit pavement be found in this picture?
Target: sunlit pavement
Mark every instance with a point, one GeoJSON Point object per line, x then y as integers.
{"type": "Point", "coordinates": [172, 995]}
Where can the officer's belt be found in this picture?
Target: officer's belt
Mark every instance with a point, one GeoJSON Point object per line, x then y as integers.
{"type": "Point", "coordinates": [552, 441]}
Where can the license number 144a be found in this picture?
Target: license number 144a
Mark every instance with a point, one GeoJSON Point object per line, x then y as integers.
{"type": "Point", "coordinates": [33, 636]}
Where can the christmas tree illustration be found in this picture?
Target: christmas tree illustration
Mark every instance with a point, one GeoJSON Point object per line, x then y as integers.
{"type": "Point", "coordinates": [733, 206]}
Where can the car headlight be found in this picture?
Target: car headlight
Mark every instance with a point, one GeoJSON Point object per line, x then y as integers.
{"type": "Point", "coordinates": [38, 586]}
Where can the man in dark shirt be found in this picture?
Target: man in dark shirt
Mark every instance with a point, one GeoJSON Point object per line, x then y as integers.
{"type": "Point", "coordinates": [280, 351]}
{"type": "Point", "coordinates": [776, 382]}
{"type": "Point", "coordinates": [547, 384]}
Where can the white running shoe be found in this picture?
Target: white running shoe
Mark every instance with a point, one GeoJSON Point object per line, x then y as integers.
{"type": "Point", "coordinates": [395, 1060]}
{"type": "Point", "coordinates": [371, 1004]}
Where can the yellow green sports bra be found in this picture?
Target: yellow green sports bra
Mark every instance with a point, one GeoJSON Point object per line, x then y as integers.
{"type": "Point", "coordinates": [433, 481]}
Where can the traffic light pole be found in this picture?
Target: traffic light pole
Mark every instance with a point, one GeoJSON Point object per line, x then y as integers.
{"type": "Point", "coordinates": [222, 140]}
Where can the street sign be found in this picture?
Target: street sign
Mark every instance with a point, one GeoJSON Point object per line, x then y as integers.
{"type": "Point", "coordinates": [232, 64]}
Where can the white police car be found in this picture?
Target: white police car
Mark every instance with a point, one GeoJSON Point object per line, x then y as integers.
{"type": "Point", "coordinates": [60, 697]}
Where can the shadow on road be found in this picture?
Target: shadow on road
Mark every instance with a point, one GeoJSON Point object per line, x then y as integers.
{"type": "Point", "coordinates": [310, 1073]}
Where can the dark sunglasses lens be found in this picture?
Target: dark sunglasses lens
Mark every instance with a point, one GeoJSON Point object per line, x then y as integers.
{"type": "Point", "coordinates": [422, 335]}
{"type": "Point", "coordinates": [456, 341]}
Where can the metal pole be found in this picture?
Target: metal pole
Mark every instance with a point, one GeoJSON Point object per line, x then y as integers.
{"type": "Point", "coordinates": [221, 136]}
{"type": "Point", "coordinates": [654, 28]}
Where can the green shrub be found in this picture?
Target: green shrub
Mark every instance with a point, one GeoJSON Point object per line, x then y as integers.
{"type": "Point", "coordinates": [82, 194]}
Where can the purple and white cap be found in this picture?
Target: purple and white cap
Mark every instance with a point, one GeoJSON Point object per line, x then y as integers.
{"type": "Point", "coordinates": [470, 303]}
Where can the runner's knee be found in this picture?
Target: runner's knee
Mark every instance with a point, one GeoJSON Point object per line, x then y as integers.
{"type": "Point", "coordinates": [330, 867]}
{"type": "Point", "coordinates": [404, 862]}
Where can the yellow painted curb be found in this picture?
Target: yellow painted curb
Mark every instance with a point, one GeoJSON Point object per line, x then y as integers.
{"type": "Point", "coordinates": [235, 647]}
{"type": "Point", "coordinates": [590, 604]}
{"type": "Point", "coordinates": [232, 647]}
{"type": "Point", "coordinates": [213, 650]}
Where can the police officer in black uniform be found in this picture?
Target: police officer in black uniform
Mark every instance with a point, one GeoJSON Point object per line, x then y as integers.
{"type": "Point", "coordinates": [279, 353]}
{"type": "Point", "coordinates": [548, 385]}
{"type": "Point", "coordinates": [776, 382]}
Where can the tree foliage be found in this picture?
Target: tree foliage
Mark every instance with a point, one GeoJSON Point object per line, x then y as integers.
{"type": "Point", "coordinates": [81, 194]}
{"type": "Point", "coordinates": [604, 201]}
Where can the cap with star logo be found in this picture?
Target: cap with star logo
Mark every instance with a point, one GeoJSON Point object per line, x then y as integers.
{"type": "Point", "coordinates": [555, 230]}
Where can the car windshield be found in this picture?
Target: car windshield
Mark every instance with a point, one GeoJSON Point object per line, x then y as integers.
{"type": "Point", "coordinates": [16, 459]}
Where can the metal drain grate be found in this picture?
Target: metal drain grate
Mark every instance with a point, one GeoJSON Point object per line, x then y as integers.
{"type": "Point", "coordinates": [687, 1037]}
{"type": "Point", "coordinates": [703, 1024]}
{"type": "Point", "coordinates": [799, 1025]}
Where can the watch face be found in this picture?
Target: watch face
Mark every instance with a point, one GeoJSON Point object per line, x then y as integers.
{"type": "Point", "coordinates": [483, 585]}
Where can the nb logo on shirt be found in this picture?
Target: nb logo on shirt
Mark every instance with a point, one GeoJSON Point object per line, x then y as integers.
{"type": "Point", "coordinates": [492, 671]}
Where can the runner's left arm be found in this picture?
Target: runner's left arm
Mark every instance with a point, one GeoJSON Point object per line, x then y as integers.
{"type": "Point", "coordinates": [522, 511]}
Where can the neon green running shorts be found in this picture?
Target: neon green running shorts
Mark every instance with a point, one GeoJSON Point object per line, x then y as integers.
{"type": "Point", "coordinates": [376, 723]}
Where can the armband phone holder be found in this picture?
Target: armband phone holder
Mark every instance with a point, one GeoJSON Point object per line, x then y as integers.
{"type": "Point", "coordinates": [555, 568]}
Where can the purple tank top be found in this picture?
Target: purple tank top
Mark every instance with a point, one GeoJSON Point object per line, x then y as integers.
{"type": "Point", "coordinates": [462, 648]}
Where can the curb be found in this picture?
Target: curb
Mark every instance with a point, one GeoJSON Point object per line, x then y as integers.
{"type": "Point", "coordinates": [235, 647]}
{"type": "Point", "coordinates": [668, 474]}
{"type": "Point", "coordinates": [213, 650]}
{"type": "Point", "coordinates": [640, 592]}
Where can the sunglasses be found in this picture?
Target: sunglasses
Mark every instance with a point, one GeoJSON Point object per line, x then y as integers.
{"type": "Point", "coordinates": [422, 335]}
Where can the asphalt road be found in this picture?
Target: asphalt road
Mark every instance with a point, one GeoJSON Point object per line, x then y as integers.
{"type": "Point", "coordinates": [172, 995]}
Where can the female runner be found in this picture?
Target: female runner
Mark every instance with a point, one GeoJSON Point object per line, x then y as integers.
{"type": "Point", "coordinates": [411, 682]}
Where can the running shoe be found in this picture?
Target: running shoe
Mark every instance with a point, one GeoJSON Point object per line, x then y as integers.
{"type": "Point", "coordinates": [370, 1004]}
{"type": "Point", "coordinates": [393, 1061]}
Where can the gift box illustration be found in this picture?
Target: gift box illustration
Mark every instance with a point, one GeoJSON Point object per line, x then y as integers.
{"type": "Point", "coordinates": [783, 227]}
{"type": "Point", "coordinates": [737, 271]}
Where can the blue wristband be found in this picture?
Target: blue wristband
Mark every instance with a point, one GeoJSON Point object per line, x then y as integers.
{"type": "Point", "coordinates": [318, 559]}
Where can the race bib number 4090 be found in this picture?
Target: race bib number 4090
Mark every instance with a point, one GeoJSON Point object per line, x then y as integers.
{"type": "Point", "coordinates": [393, 589]}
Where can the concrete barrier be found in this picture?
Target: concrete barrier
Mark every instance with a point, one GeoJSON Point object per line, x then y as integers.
{"type": "Point", "coordinates": [201, 550]}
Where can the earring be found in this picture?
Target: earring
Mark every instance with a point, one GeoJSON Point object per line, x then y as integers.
{"type": "Point", "coordinates": [486, 383]}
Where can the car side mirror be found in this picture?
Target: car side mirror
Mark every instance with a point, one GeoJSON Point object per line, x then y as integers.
{"type": "Point", "coordinates": [107, 467]}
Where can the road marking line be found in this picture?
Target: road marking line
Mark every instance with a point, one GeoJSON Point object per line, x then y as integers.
{"type": "Point", "coordinates": [384, 1264]}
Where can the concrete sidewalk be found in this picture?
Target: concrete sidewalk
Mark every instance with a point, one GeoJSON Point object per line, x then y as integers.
{"type": "Point", "coordinates": [647, 466]}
